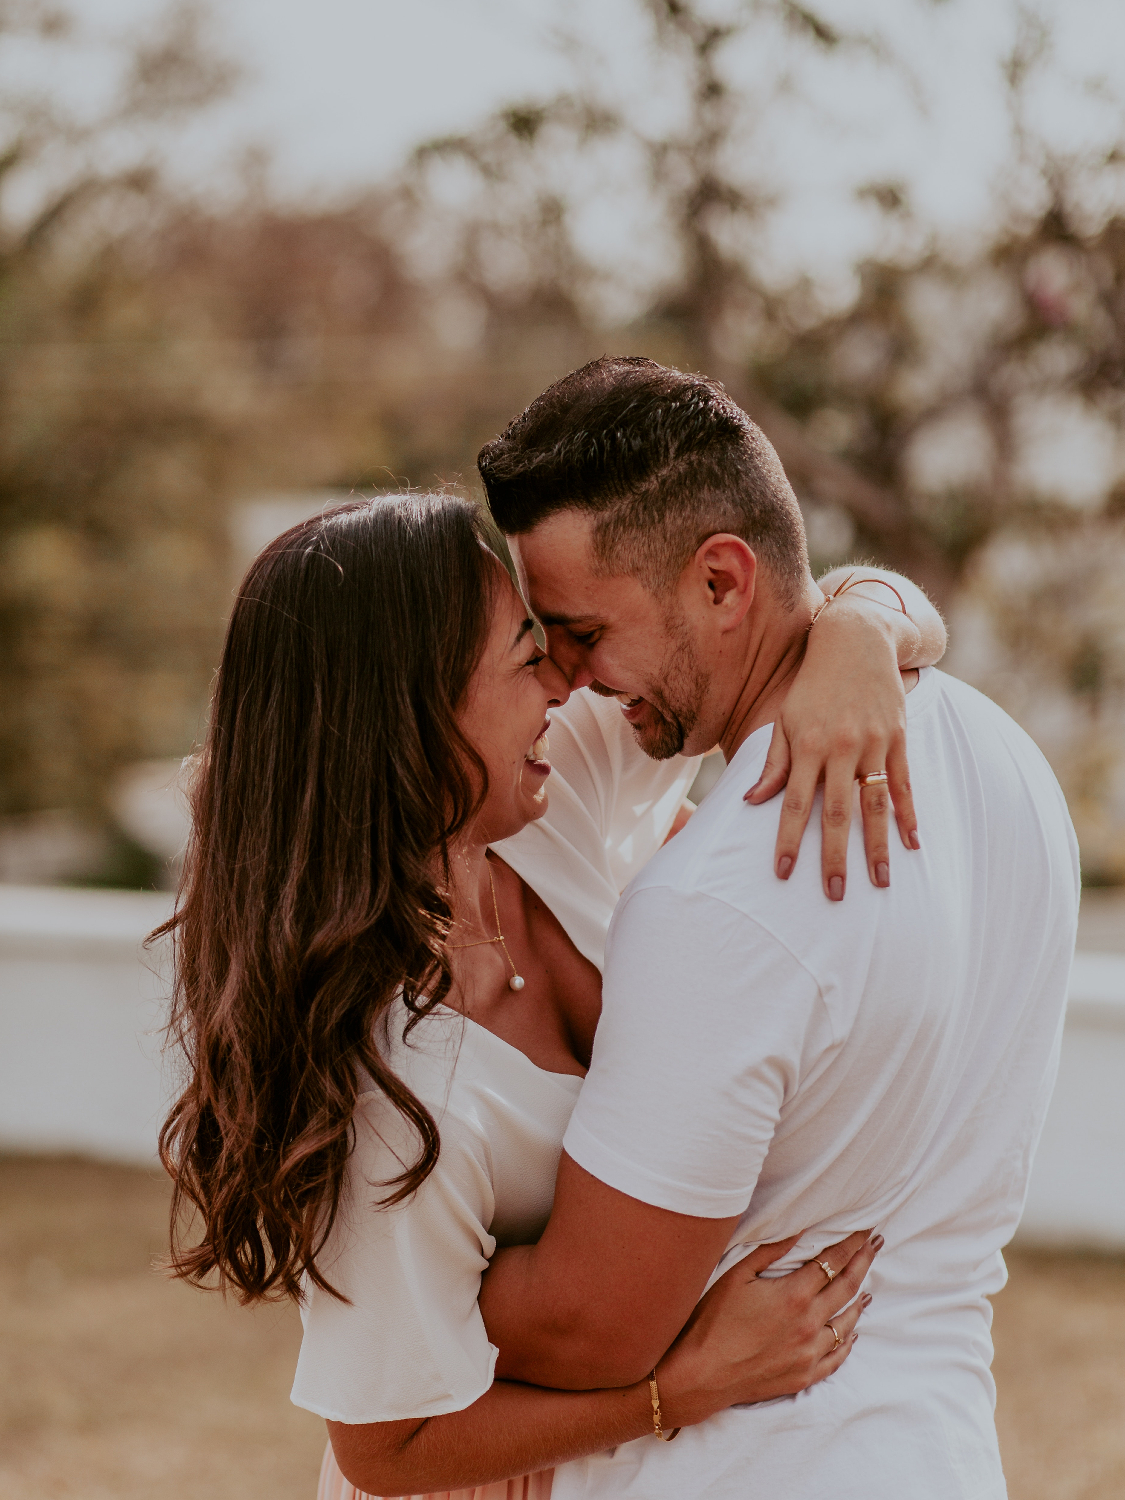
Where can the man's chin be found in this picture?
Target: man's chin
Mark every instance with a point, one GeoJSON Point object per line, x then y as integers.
{"type": "Point", "coordinates": [658, 737]}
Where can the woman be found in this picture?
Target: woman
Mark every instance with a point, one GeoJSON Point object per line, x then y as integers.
{"type": "Point", "coordinates": [386, 1022]}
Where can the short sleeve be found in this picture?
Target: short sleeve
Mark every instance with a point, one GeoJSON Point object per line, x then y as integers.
{"type": "Point", "coordinates": [410, 1340]}
{"type": "Point", "coordinates": [610, 808]}
{"type": "Point", "coordinates": [708, 1025]}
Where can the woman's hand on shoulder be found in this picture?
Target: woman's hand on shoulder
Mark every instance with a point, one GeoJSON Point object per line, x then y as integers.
{"type": "Point", "coordinates": [752, 1338]}
{"type": "Point", "coordinates": [845, 717]}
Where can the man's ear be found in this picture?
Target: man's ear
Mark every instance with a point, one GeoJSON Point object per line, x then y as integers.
{"type": "Point", "coordinates": [728, 569]}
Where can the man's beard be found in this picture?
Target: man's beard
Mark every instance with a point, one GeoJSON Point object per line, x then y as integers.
{"type": "Point", "coordinates": [677, 701]}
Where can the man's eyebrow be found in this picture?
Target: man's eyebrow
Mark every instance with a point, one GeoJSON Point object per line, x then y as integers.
{"type": "Point", "coordinates": [568, 620]}
{"type": "Point", "coordinates": [528, 624]}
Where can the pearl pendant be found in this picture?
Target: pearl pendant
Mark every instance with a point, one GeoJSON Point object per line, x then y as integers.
{"type": "Point", "coordinates": [516, 982]}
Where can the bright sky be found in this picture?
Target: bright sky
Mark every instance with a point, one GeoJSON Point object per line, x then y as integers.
{"type": "Point", "coordinates": [339, 90]}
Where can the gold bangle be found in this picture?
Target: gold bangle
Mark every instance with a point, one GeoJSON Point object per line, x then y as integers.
{"type": "Point", "coordinates": [851, 582]}
{"type": "Point", "coordinates": [654, 1394]}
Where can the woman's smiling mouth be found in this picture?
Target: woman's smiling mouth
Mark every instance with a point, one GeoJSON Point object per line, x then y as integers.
{"type": "Point", "coordinates": [536, 757]}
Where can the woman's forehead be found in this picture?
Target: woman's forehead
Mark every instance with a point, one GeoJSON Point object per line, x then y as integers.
{"type": "Point", "coordinates": [510, 609]}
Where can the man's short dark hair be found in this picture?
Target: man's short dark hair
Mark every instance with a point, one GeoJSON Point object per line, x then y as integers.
{"type": "Point", "coordinates": [661, 458]}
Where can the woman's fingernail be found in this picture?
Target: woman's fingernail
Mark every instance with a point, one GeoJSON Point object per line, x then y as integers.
{"type": "Point", "coordinates": [865, 1300]}
{"type": "Point", "coordinates": [882, 873]}
{"type": "Point", "coordinates": [784, 867]}
{"type": "Point", "coordinates": [836, 888]}
{"type": "Point", "coordinates": [878, 1242]}
{"type": "Point", "coordinates": [915, 841]}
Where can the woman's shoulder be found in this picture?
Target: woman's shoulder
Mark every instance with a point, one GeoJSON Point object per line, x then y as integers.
{"type": "Point", "coordinates": [609, 809]}
{"type": "Point", "coordinates": [472, 1082]}
{"type": "Point", "coordinates": [427, 1053]}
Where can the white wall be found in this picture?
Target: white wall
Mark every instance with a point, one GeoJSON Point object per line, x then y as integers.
{"type": "Point", "coordinates": [80, 1018]}
{"type": "Point", "coordinates": [1077, 1193]}
{"type": "Point", "coordinates": [81, 1011]}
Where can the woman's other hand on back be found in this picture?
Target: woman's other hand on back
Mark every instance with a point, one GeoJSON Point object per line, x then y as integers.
{"type": "Point", "coordinates": [753, 1338]}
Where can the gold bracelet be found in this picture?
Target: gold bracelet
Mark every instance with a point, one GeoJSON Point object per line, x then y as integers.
{"type": "Point", "coordinates": [851, 582]}
{"type": "Point", "coordinates": [654, 1393]}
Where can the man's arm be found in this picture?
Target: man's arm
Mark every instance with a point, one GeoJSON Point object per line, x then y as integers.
{"type": "Point", "coordinates": [605, 1291]}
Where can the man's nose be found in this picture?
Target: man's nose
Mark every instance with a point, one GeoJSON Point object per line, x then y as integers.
{"type": "Point", "coordinates": [568, 657]}
{"type": "Point", "coordinates": [558, 687]}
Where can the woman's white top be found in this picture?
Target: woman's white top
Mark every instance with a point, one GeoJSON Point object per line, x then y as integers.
{"type": "Point", "coordinates": [410, 1340]}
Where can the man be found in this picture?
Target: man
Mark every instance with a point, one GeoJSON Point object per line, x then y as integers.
{"type": "Point", "coordinates": [769, 1061]}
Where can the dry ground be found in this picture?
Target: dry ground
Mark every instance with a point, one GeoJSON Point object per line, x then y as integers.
{"type": "Point", "coordinates": [116, 1384]}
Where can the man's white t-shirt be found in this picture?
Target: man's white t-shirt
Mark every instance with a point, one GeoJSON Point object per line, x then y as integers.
{"type": "Point", "coordinates": [884, 1063]}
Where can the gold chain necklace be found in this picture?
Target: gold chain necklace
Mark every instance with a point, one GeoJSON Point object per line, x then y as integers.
{"type": "Point", "coordinates": [517, 981]}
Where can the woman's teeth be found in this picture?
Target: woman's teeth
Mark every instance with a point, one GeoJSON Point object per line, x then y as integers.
{"type": "Point", "coordinates": [538, 751]}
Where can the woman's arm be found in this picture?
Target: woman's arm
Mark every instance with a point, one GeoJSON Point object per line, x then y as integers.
{"type": "Point", "coordinates": [513, 1429]}
{"type": "Point", "coordinates": [845, 716]}
{"type": "Point", "coordinates": [918, 633]}
{"type": "Point", "coordinates": [687, 807]}
{"type": "Point", "coordinates": [750, 1339]}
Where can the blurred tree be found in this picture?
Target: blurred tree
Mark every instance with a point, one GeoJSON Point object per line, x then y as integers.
{"type": "Point", "coordinates": [852, 399]}
{"type": "Point", "coordinates": [1041, 629]}
{"type": "Point", "coordinates": [112, 448]}
{"type": "Point", "coordinates": [963, 408]}
{"type": "Point", "coordinates": [161, 358]}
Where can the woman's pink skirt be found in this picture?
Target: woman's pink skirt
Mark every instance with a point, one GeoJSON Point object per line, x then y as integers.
{"type": "Point", "coordinates": [333, 1486]}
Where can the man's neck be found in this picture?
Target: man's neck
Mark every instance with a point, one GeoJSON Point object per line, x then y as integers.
{"type": "Point", "coordinates": [773, 654]}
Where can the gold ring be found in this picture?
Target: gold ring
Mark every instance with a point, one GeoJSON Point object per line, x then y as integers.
{"type": "Point", "coordinates": [827, 1269]}
{"type": "Point", "coordinates": [873, 778]}
{"type": "Point", "coordinates": [832, 1329]}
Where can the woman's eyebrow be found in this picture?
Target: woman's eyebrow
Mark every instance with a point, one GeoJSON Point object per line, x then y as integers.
{"type": "Point", "coordinates": [527, 625]}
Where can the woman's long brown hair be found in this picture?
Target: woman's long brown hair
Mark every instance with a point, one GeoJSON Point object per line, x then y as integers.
{"type": "Point", "coordinates": [332, 780]}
